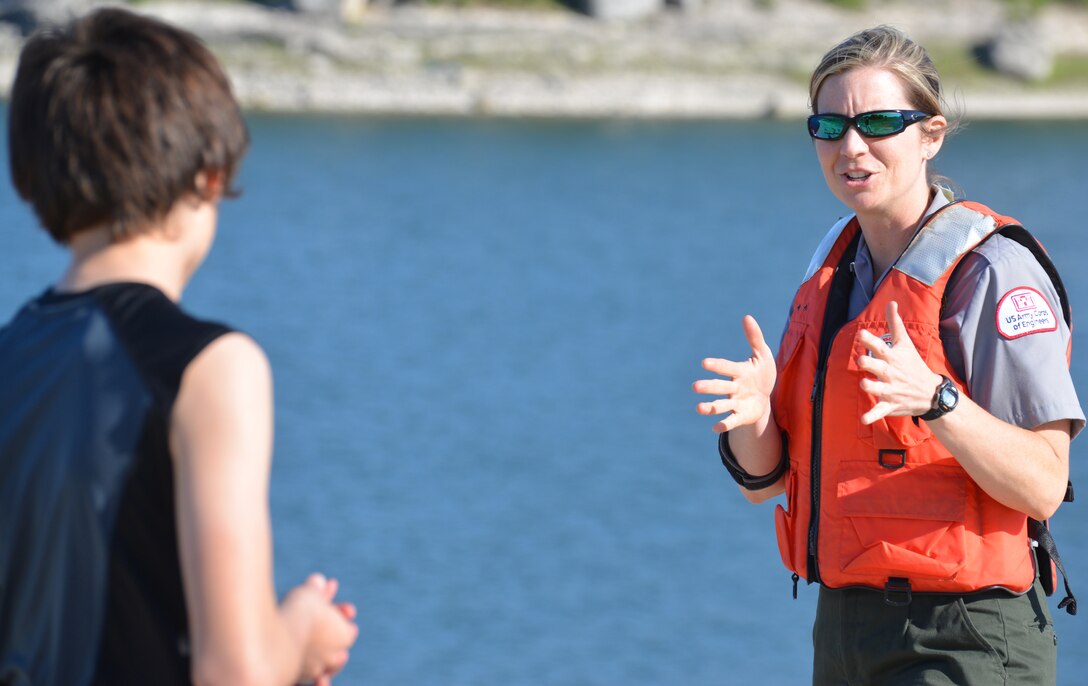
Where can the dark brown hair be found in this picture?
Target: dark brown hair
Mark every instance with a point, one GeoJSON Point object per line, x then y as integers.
{"type": "Point", "coordinates": [112, 117]}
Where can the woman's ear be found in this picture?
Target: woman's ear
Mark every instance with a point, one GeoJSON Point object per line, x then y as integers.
{"type": "Point", "coordinates": [933, 135]}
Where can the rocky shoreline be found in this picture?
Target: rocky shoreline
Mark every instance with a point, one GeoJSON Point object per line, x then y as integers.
{"type": "Point", "coordinates": [725, 59]}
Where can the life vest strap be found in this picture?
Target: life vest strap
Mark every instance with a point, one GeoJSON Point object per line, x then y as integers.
{"type": "Point", "coordinates": [1047, 552]}
{"type": "Point", "coordinates": [892, 459]}
{"type": "Point", "coordinates": [897, 591]}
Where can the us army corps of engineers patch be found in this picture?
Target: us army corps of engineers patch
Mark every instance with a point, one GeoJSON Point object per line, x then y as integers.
{"type": "Point", "coordinates": [1023, 311]}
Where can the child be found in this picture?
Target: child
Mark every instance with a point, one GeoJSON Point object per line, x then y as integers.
{"type": "Point", "coordinates": [135, 440]}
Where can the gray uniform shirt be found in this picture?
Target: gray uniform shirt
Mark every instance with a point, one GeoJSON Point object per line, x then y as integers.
{"type": "Point", "coordinates": [1025, 380]}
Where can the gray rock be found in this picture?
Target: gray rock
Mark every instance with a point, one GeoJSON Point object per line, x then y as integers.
{"type": "Point", "coordinates": [1020, 50]}
{"type": "Point", "coordinates": [317, 6]}
{"type": "Point", "coordinates": [622, 9]}
{"type": "Point", "coordinates": [30, 14]}
{"type": "Point", "coordinates": [345, 10]}
{"type": "Point", "coordinates": [686, 5]}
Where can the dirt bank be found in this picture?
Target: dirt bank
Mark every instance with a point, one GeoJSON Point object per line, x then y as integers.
{"type": "Point", "coordinates": [730, 58]}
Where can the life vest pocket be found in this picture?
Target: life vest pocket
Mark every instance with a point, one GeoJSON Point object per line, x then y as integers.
{"type": "Point", "coordinates": [784, 532]}
{"type": "Point", "coordinates": [896, 432]}
{"type": "Point", "coordinates": [784, 520]}
{"type": "Point", "coordinates": [902, 522]}
{"type": "Point", "coordinates": [788, 394]}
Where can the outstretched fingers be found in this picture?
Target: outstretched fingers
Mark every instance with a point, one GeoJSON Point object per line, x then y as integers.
{"type": "Point", "coordinates": [747, 385]}
{"type": "Point", "coordinates": [714, 386]}
{"type": "Point", "coordinates": [717, 406]}
{"type": "Point", "coordinates": [723, 367]}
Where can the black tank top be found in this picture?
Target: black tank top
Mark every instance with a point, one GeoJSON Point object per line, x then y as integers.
{"type": "Point", "coordinates": [90, 581]}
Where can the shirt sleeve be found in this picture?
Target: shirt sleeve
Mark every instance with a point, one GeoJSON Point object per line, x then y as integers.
{"type": "Point", "coordinates": [1020, 376]}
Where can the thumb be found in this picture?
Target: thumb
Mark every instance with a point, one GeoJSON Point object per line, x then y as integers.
{"type": "Point", "coordinates": [895, 323]}
{"type": "Point", "coordinates": [754, 334]}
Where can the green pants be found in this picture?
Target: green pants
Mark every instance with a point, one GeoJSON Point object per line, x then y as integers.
{"type": "Point", "coordinates": [985, 638]}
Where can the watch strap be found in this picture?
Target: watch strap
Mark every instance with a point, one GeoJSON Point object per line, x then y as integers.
{"type": "Point", "coordinates": [937, 410]}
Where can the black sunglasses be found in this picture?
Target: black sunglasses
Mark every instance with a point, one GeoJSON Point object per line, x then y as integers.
{"type": "Point", "coordinates": [832, 127]}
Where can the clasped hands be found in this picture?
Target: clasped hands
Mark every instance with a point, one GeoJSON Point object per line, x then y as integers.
{"type": "Point", "coordinates": [895, 374]}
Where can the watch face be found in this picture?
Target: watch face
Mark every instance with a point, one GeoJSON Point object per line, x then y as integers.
{"type": "Point", "coordinates": [949, 397]}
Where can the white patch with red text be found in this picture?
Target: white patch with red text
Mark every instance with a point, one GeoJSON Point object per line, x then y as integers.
{"type": "Point", "coordinates": [1024, 311]}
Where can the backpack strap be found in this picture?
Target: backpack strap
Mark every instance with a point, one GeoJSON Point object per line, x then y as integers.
{"type": "Point", "coordinates": [1019, 234]}
{"type": "Point", "coordinates": [1046, 552]}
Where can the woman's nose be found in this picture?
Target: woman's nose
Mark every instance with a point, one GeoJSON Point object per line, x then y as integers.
{"type": "Point", "coordinates": [853, 143]}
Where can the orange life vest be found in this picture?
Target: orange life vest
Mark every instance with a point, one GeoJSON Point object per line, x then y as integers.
{"type": "Point", "coordinates": [886, 505]}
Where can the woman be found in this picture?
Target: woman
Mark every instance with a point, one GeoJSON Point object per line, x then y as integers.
{"type": "Point", "coordinates": [919, 410]}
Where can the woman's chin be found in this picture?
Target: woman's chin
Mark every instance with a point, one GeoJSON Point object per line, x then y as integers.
{"type": "Point", "coordinates": [860, 201]}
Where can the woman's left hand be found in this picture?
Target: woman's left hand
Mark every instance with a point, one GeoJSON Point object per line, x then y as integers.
{"type": "Point", "coordinates": [896, 375]}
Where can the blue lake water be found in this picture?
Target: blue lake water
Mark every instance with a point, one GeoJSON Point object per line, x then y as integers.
{"type": "Point", "coordinates": [483, 335]}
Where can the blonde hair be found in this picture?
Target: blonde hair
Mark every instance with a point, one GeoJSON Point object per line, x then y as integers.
{"type": "Point", "coordinates": [885, 47]}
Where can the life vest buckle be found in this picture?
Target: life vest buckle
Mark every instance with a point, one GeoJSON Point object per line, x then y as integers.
{"type": "Point", "coordinates": [897, 591]}
{"type": "Point", "coordinates": [892, 459]}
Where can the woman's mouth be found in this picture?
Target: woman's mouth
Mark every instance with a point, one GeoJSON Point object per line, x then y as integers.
{"type": "Point", "coordinates": [856, 178]}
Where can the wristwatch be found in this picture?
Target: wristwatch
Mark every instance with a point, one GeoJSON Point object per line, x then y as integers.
{"type": "Point", "coordinates": [944, 400]}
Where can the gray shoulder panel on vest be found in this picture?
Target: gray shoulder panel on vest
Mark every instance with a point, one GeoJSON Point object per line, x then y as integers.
{"type": "Point", "coordinates": [825, 246]}
{"type": "Point", "coordinates": [941, 243]}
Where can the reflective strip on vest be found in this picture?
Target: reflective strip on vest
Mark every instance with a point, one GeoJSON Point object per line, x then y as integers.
{"type": "Point", "coordinates": [950, 235]}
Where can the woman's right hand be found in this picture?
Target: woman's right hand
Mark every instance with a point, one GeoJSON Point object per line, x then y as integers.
{"type": "Point", "coordinates": [332, 629]}
{"type": "Point", "coordinates": [747, 388]}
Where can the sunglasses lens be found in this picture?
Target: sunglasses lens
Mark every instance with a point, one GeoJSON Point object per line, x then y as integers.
{"type": "Point", "coordinates": [826, 127]}
{"type": "Point", "coordinates": [880, 123]}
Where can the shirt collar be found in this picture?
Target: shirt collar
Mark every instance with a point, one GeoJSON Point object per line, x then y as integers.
{"type": "Point", "coordinates": [863, 260]}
